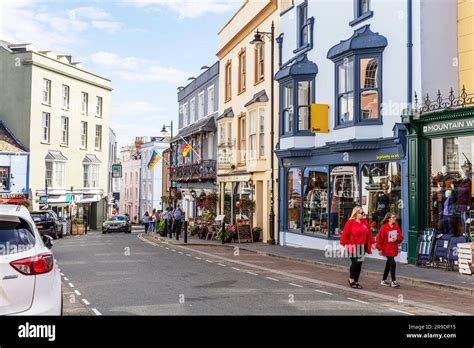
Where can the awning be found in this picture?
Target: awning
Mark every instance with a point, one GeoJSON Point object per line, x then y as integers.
{"type": "Point", "coordinates": [90, 159]}
{"type": "Point", "coordinates": [205, 125]}
{"type": "Point", "coordinates": [259, 97]}
{"type": "Point", "coordinates": [55, 156]}
{"type": "Point", "coordinates": [227, 113]}
{"type": "Point", "coordinates": [362, 38]}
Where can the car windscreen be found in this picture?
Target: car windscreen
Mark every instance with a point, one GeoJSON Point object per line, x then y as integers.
{"type": "Point", "coordinates": [118, 218]}
{"type": "Point", "coordinates": [15, 237]}
{"type": "Point", "coordinates": [38, 217]}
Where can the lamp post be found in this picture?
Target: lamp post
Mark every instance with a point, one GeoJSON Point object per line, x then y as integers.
{"type": "Point", "coordinates": [165, 127]}
{"type": "Point", "coordinates": [258, 41]}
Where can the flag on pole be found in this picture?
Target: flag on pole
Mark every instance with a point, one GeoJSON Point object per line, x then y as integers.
{"type": "Point", "coordinates": [154, 159]}
{"type": "Point", "coordinates": [186, 150]}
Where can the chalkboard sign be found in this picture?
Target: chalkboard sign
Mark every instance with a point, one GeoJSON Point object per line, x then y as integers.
{"type": "Point", "coordinates": [244, 233]}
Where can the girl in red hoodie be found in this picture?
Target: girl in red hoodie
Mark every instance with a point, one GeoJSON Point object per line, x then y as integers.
{"type": "Point", "coordinates": [388, 239]}
{"type": "Point", "coordinates": [357, 240]}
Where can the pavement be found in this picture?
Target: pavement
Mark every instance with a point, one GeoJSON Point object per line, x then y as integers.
{"type": "Point", "coordinates": [435, 278]}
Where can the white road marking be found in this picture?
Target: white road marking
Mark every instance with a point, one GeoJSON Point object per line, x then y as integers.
{"type": "Point", "coordinates": [66, 279]}
{"type": "Point", "coordinates": [173, 250]}
{"type": "Point", "coordinates": [167, 248]}
{"type": "Point", "coordinates": [220, 264]}
{"type": "Point", "coordinates": [251, 273]}
{"type": "Point", "coordinates": [323, 292]}
{"type": "Point", "coordinates": [197, 258]}
{"type": "Point", "coordinates": [71, 285]}
{"type": "Point", "coordinates": [209, 261]}
{"type": "Point", "coordinates": [399, 311]}
{"type": "Point", "coordinates": [297, 285]}
{"type": "Point", "coordinates": [189, 255]}
{"type": "Point", "coordinates": [96, 312]}
{"type": "Point", "coordinates": [356, 300]}
{"type": "Point", "coordinates": [270, 278]}
{"type": "Point", "coordinates": [180, 252]}
{"type": "Point", "coordinates": [62, 274]}
{"type": "Point", "coordinates": [77, 292]}
{"type": "Point", "coordinates": [237, 269]}
{"type": "Point", "coordinates": [85, 301]}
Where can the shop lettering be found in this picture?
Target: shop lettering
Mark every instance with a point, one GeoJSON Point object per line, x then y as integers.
{"type": "Point", "coordinates": [445, 126]}
{"type": "Point", "coordinates": [382, 157]}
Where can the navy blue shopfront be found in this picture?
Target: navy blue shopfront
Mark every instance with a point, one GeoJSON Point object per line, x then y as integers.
{"type": "Point", "coordinates": [319, 187]}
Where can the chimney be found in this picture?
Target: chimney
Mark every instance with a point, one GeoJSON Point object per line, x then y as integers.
{"type": "Point", "coordinates": [138, 143]}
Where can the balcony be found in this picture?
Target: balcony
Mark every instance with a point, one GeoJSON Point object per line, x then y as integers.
{"type": "Point", "coordinates": [200, 171]}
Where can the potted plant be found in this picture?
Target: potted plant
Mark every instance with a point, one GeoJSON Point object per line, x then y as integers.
{"type": "Point", "coordinates": [193, 230]}
{"type": "Point", "coordinates": [210, 201]}
{"type": "Point", "coordinates": [247, 206]}
{"type": "Point", "coordinates": [228, 235]}
{"type": "Point", "coordinates": [257, 232]}
{"type": "Point", "coordinates": [78, 226]}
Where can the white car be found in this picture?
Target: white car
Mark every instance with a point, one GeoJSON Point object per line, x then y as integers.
{"type": "Point", "coordinates": [30, 282]}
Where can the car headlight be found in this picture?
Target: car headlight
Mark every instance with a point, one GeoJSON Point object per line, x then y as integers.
{"type": "Point", "coordinates": [104, 225]}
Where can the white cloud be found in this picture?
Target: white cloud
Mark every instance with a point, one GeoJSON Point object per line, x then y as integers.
{"type": "Point", "coordinates": [28, 21]}
{"type": "Point", "coordinates": [189, 8]}
{"type": "Point", "coordinates": [139, 69]}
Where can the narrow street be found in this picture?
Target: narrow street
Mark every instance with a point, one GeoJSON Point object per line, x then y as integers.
{"type": "Point", "coordinates": [128, 274]}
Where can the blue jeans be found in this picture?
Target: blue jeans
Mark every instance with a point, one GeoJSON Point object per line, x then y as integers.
{"type": "Point", "coordinates": [147, 225]}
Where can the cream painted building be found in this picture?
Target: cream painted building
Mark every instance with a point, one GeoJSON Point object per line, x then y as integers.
{"type": "Point", "coordinates": [61, 112]}
{"type": "Point", "coordinates": [466, 44]}
{"type": "Point", "coordinates": [244, 120]}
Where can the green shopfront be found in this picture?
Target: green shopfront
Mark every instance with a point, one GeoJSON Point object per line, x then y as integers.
{"type": "Point", "coordinates": [440, 157]}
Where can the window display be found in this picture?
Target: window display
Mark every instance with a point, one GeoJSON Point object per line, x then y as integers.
{"type": "Point", "coordinates": [315, 206]}
{"type": "Point", "coordinates": [294, 199]}
{"type": "Point", "coordinates": [344, 196]}
{"type": "Point", "coordinates": [451, 183]}
{"type": "Point", "coordinates": [381, 192]}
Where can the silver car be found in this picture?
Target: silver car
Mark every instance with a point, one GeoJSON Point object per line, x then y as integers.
{"type": "Point", "coordinates": [29, 275]}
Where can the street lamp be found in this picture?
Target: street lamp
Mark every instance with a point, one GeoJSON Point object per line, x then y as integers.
{"type": "Point", "coordinates": [257, 41]}
{"type": "Point", "coordinates": [165, 127]}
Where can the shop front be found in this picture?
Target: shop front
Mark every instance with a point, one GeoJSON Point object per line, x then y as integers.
{"type": "Point", "coordinates": [320, 187]}
{"type": "Point", "coordinates": [234, 189]}
{"type": "Point", "coordinates": [441, 153]}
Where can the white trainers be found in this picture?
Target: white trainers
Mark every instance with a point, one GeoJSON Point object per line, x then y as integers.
{"type": "Point", "coordinates": [395, 284]}
{"type": "Point", "coordinates": [384, 283]}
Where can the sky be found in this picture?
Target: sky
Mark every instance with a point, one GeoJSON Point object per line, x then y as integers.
{"type": "Point", "coordinates": [146, 47]}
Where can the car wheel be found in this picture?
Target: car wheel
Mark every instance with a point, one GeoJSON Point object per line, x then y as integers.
{"type": "Point", "coordinates": [55, 235]}
{"type": "Point", "coordinates": [104, 231]}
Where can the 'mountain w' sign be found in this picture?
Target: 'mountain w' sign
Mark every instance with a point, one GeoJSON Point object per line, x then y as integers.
{"type": "Point", "coordinates": [448, 126]}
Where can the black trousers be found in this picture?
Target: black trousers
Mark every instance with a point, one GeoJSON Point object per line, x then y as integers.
{"type": "Point", "coordinates": [390, 266]}
{"type": "Point", "coordinates": [356, 267]}
{"type": "Point", "coordinates": [177, 226]}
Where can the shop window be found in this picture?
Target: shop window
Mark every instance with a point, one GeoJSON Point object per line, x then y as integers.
{"type": "Point", "coordinates": [450, 195]}
{"type": "Point", "coordinates": [4, 179]}
{"type": "Point", "coordinates": [344, 196]}
{"type": "Point", "coordinates": [294, 199]}
{"type": "Point", "coordinates": [315, 205]}
{"type": "Point", "coordinates": [381, 192]}
{"type": "Point", "coordinates": [228, 202]}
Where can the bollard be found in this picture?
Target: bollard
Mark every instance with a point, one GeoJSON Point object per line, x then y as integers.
{"type": "Point", "coordinates": [178, 230]}
{"type": "Point", "coordinates": [223, 232]}
{"type": "Point", "coordinates": [185, 232]}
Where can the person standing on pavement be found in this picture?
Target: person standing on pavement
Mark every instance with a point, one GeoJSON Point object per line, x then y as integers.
{"type": "Point", "coordinates": [357, 240]}
{"type": "Point", "coordinates": [146, 221]}
{"type": "Point", "coordinates": [177, 219]}
{"type": "Point", "coordinates": [388, 239]}
{"type": "Point", "coordinates": [152, 221]}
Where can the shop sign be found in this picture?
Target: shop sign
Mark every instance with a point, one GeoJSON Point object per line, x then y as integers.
{"type": "Point", "coordinates": [13, 196]}
{"type": "Point", "coordinates": [233, 178]}
{"type": "Point", "coordinates": [388, 157]}
{"type": "Point", "coordinates": [447, 126]}
{"type": "Point", "coordinates": [287, 164]}
{"type": "Point", "coordinates": [116, 171]}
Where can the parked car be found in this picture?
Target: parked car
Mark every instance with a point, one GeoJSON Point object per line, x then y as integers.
{"type": "Point", "coordinates": [29, 274]}
{"type": "Point", "coordinates": [119, 223]}
{"type": "Point", "coordinates": [47, 222]}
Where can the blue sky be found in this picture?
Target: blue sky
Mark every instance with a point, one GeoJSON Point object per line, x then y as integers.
{"type": "Point", "coordinates": [146, 47]}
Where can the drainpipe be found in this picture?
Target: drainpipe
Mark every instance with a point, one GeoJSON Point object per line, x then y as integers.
{"type": "Point", "coordinates": [410, 53]}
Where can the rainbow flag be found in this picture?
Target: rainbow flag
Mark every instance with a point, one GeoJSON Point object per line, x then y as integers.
{"type": "Point", "coordinates": [186, 150]}
{"type": "Point", "coordinates": [154, 159]}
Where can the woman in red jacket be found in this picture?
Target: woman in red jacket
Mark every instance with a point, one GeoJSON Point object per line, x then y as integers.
{"type": "Point", "coordinates": [357, 240]}
{"type": "Point", "coordinates": [388, 239]}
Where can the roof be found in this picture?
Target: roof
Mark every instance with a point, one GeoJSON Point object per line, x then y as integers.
{"type": "Point", "coordinates": [8, 141]}
{"type": "Point", "coordinates": [227, 113]}
{"type": "Point", "coordinates": [55, 156]}
{"type": "Point", "coordinates": [205, 125]}
{"type": "Point", "coordinates": [205, 77]}
{"type": "Point", "coordinates": [362, 38]}
{"type": "Point", "coordinates": [301, 66]}
{"type": "Point", "coordinates": [90, 159]}
{"type": "Point", "coordinates": [259, 97]}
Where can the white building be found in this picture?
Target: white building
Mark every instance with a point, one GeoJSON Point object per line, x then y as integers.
{"type": "Point", "coordinates": [61, 112]}
{"type": "Point", "coordinates": [130, 181]}
{"type": "Point", "coordinates": [364, 60]}
{"type": "Point", "coordinates": [151, 191]}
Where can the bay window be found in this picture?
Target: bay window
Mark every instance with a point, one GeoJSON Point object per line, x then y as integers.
{"type": "Point", "coordinates": [304, 105]}
{"type": "Point", "coordinates": [55, 174]}
{"type": "Point", "coordinates": [297, 95]}
{"type": "Point", "coordinates": [253, 134]}
{"type": "Point", "coordinates": [91, 175]}
{"type": "Point", "coordinates": [261, 139]}
{"type": "Point", "coordinates": [288, 112]}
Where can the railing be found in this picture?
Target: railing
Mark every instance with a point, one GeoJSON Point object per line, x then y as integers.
{"type": "Point", "coordinates": [202, 170]}
{"type": "Point", "coordinates": [439, 103]}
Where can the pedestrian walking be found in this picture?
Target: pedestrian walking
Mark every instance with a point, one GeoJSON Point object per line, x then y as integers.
{"type": "Point", "coordinates": [152, 221]}
{"type": "Point", "coordinates": [146, 221]}
{"type": "Point", "coordinates": [357, 240]}
{"type": "Point", "coordinates": [387, 242]}
{"type": "Point", "coordinates": [177, 219]}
